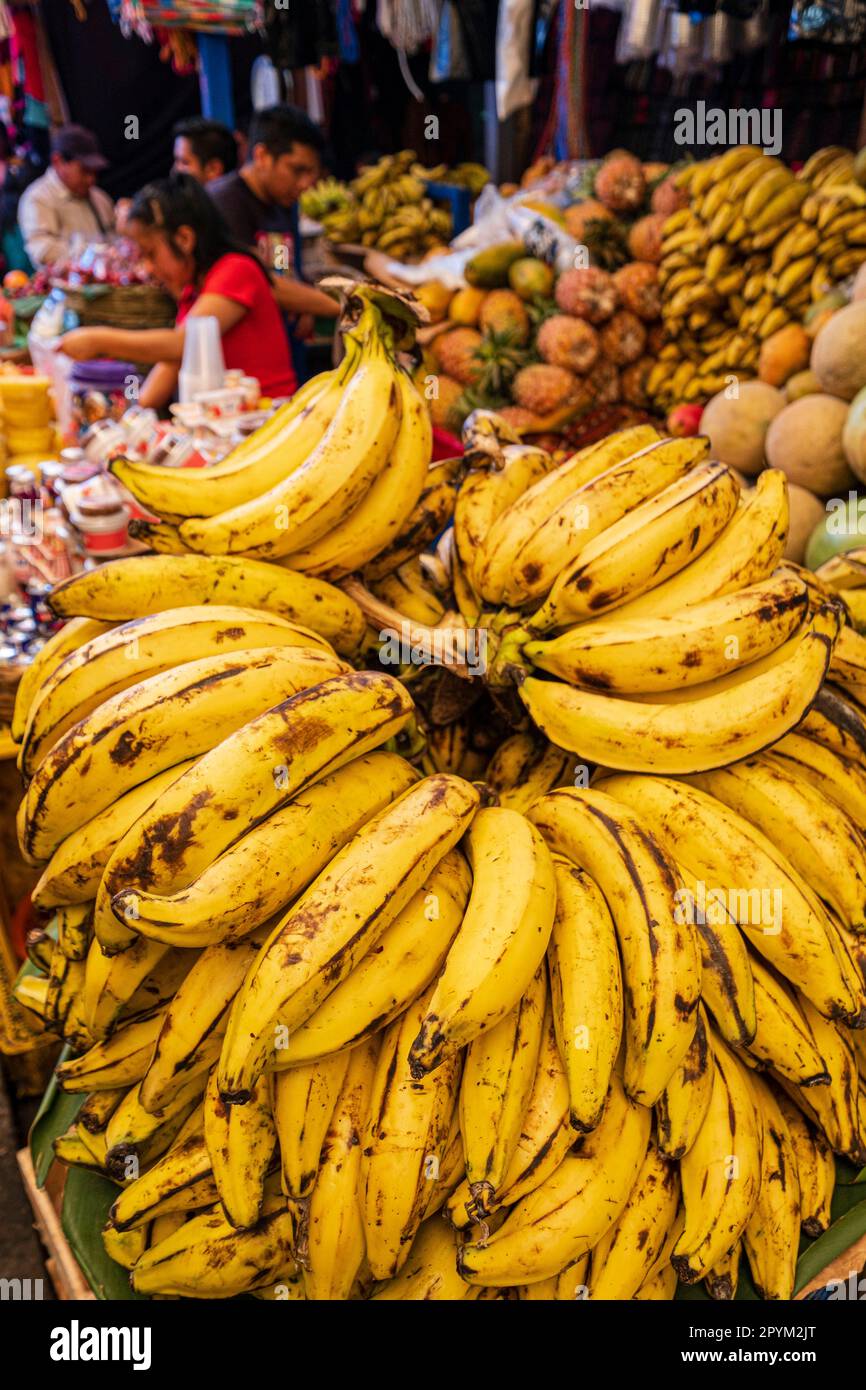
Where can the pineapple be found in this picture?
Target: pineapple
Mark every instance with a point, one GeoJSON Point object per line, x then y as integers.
{"type": "Point", "coordinates": [623, 338]}
{"type": "Point", "coordinates": [645, 237]}
{"type": "Point", "coordinates": [445, 406]}
{"type": "Point", "coordinates": [587, 294]}
{"type": "Point", "coordinates": [455, 354]}
{"type": "Point", "coordinates": [503, 311]}
{"type": "Point", "coordinates": [638, 287]}
{"type": "Point", "coordinates": [544, 389]}
{"type": "Point", "coordinates": [620, 183]}
{"type": "Point", "coordinates": [564, 341]}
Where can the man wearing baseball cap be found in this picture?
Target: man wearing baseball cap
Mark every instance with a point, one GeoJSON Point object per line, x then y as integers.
{"type": "Point", "coordinates": [65, 201]}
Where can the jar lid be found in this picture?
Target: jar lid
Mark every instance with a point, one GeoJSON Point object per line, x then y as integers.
{"type": "Point", "coordinates": [103, 372]}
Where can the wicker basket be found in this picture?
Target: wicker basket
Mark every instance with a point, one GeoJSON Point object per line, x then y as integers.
{"type": "Point", "coordinates": [122, 306]}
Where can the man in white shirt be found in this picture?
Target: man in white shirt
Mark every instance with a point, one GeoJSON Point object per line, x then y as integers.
{"type": "Point", "coordinates": [65, 202]}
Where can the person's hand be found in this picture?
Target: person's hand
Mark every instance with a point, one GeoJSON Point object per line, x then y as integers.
{"type": "Point", "coordinates": [121, 213]}
{"type": "Point", "coordinates": [304, 325]}
{"type": "Point", "coordinates": [81, 344]}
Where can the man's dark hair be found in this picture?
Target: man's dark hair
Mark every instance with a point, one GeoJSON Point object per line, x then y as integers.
{"type": "Point", "coordinates": [209, 140]}
{"type": "Point", "coordinates": [278, 128]}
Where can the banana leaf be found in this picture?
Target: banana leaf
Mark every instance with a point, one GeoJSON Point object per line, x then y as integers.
{"type": "Point", "coordinates": [87, 1197]}
{"type": "Point", "coordinates": [57, 1111]}
{"type": "Point", "coordinates": [848, 1225]}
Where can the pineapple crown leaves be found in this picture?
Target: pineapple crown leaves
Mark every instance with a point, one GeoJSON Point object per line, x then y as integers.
{"type": "Point", "coordinates": [540, 310]}
{"type": "Point", "coordinates": [501, 357]}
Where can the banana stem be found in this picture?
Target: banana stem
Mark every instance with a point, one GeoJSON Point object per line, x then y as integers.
{"type": "Point", "coordinates": [457, 653]}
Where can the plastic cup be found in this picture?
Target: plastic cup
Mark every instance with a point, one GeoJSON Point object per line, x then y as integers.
{"type": "Point", "coordinates": [203, 367]}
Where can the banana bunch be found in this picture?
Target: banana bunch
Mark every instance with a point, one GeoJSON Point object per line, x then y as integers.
{"type": "Point", "coordinates": [755, 247]}
{"type": "Point", "coordinates": [325, 486]}
{"type": "Point", "coordinates": [386, 207]}
{"type": "Point", "coordinates": [326, 197]}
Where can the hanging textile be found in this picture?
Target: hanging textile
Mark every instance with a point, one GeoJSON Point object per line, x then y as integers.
{"type": "Point", "coordinates": [302, 35]}
{"type": "Point", "coordinates": [514, 87]}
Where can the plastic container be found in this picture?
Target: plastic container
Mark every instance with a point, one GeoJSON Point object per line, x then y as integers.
{"type": "Point", "coordinates": [203, 366]}
{"type": "Point", "coordinates": [103, 533]}
{"type": "Point", "coordinates": [100, 390]}
{"type": "Point", "coordinates": [104, 440]}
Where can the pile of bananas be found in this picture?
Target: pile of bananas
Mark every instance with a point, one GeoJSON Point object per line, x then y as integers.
{"type": "Point", "coordinates": [379, 994]}
{"type": "Point", "coordinates": [328, 484]}
{"type": "Point", "coordinates": [326, 197]}
{"type": "Point", "coordinates": [387, 207]}
{"type": "Point", "coordinates": [755, 247]}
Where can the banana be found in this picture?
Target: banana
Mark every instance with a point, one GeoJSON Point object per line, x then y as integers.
{"type": "Point", "coordinates": [820, 841]}
{"type": "Point", "coordinates": [98, 1109]}
{"type": "Point", "coordinates": [332, 479]}
{"type": "Point", "coordinates": [65, 981]}
{"type": "Point", "coordinates": [340, 916]}
{"type": "Point", "coordinates": [650, 544]}
{"type": "Point", "coordinates": [721, 1281]}
{"type": "Point", "coordinates": [133, 651]}
{"type": "Point", "coordinates": [603, 501]}
{"type": "Point", "coordinates": [683, 1104]}
{"type": "Point", "coordinates": [771, 1237]}
{"type": "Point", "coordinates": [179, 1181]}
{"type": "Point", "coordinates": [70, 1149]}
{"type": "Point", "coordinates": [240, 1142]}
{"type": "Point", "coordinates": [586, 991]}
{"type": "Point", "coordinates": [766, 896]}
{"type": "Point", "coordinates": [71, 636]}
{"type": "Point", "coordinates": [334, 1235]}
{"type": "Point", "coordinates": [661, 1287]}
{"type": "Point", "coordinates": [124, 1247]}
{"type": "Point", "coordinates": [570, 1213]}
{"type": "Point", "coordinates": [837, 724]}
{"type": "Point", "coordinates": [401, 965]}
{"type": "Point", "coordinates": [193, 1023]}
{"type": "Point", "coordinates": [121, 590]}
{"type": "Point", "coordinates": [783, 1039]}
{"type": "Point", "coordinates": [747, 551]}
{"type": "Point", "coordinates": [484, 496]}
{"type": "Point", "coordinates": [74, 870]}
{"type": "Point", "coordinates": [275, 859]}
{"type": "Point", "coordinates": [848, 665]}
{"type": "Point", "coordinates": [264, 459]}
{"type": "Point", "coordinates": [544, 1140]}
{"type": "Point", "coordinates": [660, 956]}
{"type": "Point", "coordinates": [826, 771]}
{"type": "Point", "coordinates": [208, 1258]}
{"type": "Point", "coordinates": [406, 590]}
{"type": "Point", "coordinates": [816, 1169]}
{"type": "Point", "coordinates": [501, 941]}
{"type": "Point", "coordinates": [522, 769]}
{"type": "Point", "coordinates": [430, 1272]}
{"type": "Point", "coordinates": [245, 778]}
{"type": "Point", "coordinates": [727, 985]}
{"type": "Point", "coordinates": [378, 518]}
{"type": "Point", "coordinates": [833, 1106]}
{"type": "Point", "coordinates": [624, 1258]}
{"type": "Point", "coordinates": [498, 1076]}
{"type": "Point", "coordinates": [135, 735]}
{"type": "Point", "coordinates": [404, 1143]}
{"type": "Point", "coordinates": [304, 1101]}
{"type": "Point", "coordinates": [693, 735]}
{"type": "Point", "coordinates": [720, 1174]}
{"type": "Point", "coordinates": [452, 1168]}
{"type": "Point", "coordinates": [699, 643]}
{"type": "Point", "coordinates": [110, 983]}
{"type": "Point", "coordinates": [518, 523]}
{"type": "Point", "coordinates": [119, 1061]}
{"type": "Point", "coordinates": [428, 518]}
{"type": "Point", "coordinates": [74, 925]}
{"type": "Point", "coordinates": [134, 1135]}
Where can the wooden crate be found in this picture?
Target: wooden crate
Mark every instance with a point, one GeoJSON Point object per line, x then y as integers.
{"type": "Point", "coordinates": [69, 1283]}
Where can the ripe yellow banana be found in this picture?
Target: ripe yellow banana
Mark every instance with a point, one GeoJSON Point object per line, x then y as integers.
{"type": "Point", "coordinates": [153, 726]}
{"type": "Point", "coordinates": [110, 983]}
{"type": "Point", "coordinates": [747, 551]}
{"type": "Point", "coordinates": [404, 1143]}
{"type": "Point", "coordinates": [134, 1136]}
{"type": "Point", "coordinates": [74, 929]}
{"type": "Point", "coordinates": [331, 480]}
{"type": "Point", "coordinates": [816, 1169]}
{"type": "Point", "coordinates": [523, 768]}
{"type": "Point", "coordinates": [484, 496]}
{"type": "Point", "coordinates": [727, 985]}
{"type": "Point", "coordinates": [340, 916]}
{"type": "Point", "coordinates": [498, 1076]}
{"type": "Point", "coordinates": [586, 991]}
{"type": "Point", "coordinates": [721, 1173]}
{"type": "Point", "coordinates": [402, 964]}
{"type": "Point", "coordinates": [834, 1106]}
{"type": "Point", "coordinates": [430, 1272]}
{"type": "Point", "coordinates": [71, 636]}
{"type": "Point", "coordinates": [501, 941]}
{"type": "Point", "coordinates": [120, 1060]}
{"type": "Point", "coordinates": [624, 1258]}
{"type": "Point", "coordinates": [428, 518]}
{"type": "Point", "coordinates": [333, 1238]}
{"type": "Point", "coordinates": [683, 1104]}
{"type": "Point", "coordinates": [571, 1212]}
{"type": "Point", "coordinates": [240, 1141]}
{"type": "Point", "coordinates": [208, 1258]}
{"type": "Point", "coordinates": [694, 734]}
{"type": "Point", "coordinates": [699, 644]}
{"type": "Point", "coordinates": [659, 949]}
{"type": "Point", "coordinates": [378, 518]}
{"type": "Point", "coordinates": [839, 779]}
{"type": "Point", "coordinates": [268, 456]}
{"type": "Point", "coordinates": [98, 1109]}
{"type": "Point", "coordinates": [276, 859]}
{"type": "Point", "coordinates": [245, 778]}
{"type": "Point", "coordinates": [121, 590]}
{"type": "Point", "coordinates": [763, 893]}
{"type": "Point", "coordinates": [599, 504]}
{"type": "Point", "coordinates": [721, 1281]}
{"type": "Point", "coordinates": [304, 1100]}
{"type": "Point", "coordinates": [771, 1237]}
{"type": "Point", "coordinates": [650, 544]}
{"type": "Point", "coordinates": [784, 1040]}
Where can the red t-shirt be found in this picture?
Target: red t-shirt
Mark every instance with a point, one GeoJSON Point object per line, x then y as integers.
{"type": "Point", "coordinates": [257, 343]}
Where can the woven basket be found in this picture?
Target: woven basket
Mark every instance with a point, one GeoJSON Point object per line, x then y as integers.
{"type": "Point", "coordinates": [122, 306]}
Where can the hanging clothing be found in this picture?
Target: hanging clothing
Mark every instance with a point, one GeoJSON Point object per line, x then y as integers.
{"type": "Point", "coordinates": [300, 36]}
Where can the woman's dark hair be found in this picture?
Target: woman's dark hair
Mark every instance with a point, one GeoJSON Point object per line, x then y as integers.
{"type": "Point", "coordinates": [180, 201]}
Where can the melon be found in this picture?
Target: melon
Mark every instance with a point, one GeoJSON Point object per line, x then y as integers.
{"type": "Point", "coordinates": [858, 289]}
{"type": "Point", "coordinates": [801, 384]}
{"type": "Point", "coordinates": [806, 513]}
{"type": "Point", "coordinates": [841, 530]}
{"type": "Point", "coordinates": [737, 426]}
{"type": "Point", "coordinates": [854, 435]}
{"type": "Point", "coordinates": [839, 352]}
{"type": "Point", "coordinates": [805, 441]}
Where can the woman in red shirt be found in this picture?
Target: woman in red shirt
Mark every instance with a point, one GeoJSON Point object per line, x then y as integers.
{"type": "Point", "coordinates": [186, 247]}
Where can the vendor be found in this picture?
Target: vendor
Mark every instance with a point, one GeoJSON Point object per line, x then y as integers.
{"type": "Point", "coordinates": [206, 149]}
{"type": "Point", "coordinates": [186, 247]}
{"type": "Point", "coordinates": [65, 204]}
